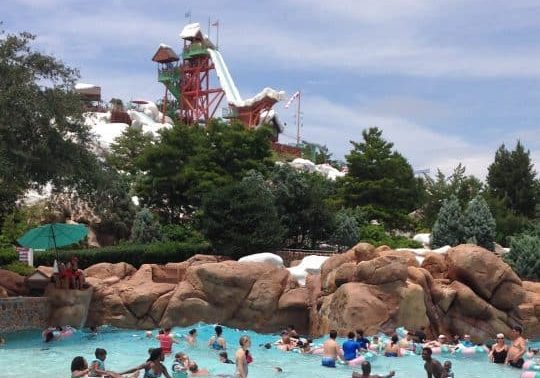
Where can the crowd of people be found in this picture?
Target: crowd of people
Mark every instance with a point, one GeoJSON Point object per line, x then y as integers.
{"type": "Point", "coordinates": [68, 275]}
{"type": "Point", "coordinates": [354, 351]}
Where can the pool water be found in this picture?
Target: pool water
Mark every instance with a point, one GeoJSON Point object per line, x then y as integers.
{"type": "Point", "coordinates": [25, 355]}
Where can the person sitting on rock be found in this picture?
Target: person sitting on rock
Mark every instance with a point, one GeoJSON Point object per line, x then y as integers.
{"type": "Point", "coordinates": [77, 275]}
{"type": "Point", "coordinates": [366, 372]}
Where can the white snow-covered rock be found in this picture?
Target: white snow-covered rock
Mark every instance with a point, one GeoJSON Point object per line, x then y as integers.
{"type": "Point", "coordinates": [303, 164]}
{"type": "Point", "coordinates": [328, 171]}
{"type": "Point", "coordinates": [265, 257]}
{"type": "Point", "coordinates": [107, 132]}
{"type": "Point", "coordinates": [425, 239]}
{"type": "Point", "coordinates": [309, 265]}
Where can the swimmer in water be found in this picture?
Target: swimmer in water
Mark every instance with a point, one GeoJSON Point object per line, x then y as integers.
{"type": "Point", "coordinates": [331, 351]}
{"type": "Point", "coordinates": [191, 338]}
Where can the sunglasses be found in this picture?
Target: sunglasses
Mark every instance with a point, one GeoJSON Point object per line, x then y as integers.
{"type": "Point", "coordinates": [500, 338]}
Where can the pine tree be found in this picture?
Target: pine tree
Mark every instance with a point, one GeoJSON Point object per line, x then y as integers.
{"type": "Point", "coordinates": [347, 229]}
{"type": "Point", "coordinates": [479, 224]}
{"type": "Point", "coordinates": [511, 177]}
{"type": "Point", "coordinates": [146, 228]}
{"type": "Point", "coordinates": [447, 229]}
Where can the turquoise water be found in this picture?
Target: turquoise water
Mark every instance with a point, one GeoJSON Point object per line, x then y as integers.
{"type": "Point", "coordinates": [24, 355]}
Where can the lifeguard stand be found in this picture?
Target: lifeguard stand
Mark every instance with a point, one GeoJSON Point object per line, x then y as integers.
{"type": "Point", "coordinates": [169, 75]}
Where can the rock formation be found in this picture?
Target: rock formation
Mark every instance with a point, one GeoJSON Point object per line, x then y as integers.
{"type": "Point", "coordinates": [468, 290]}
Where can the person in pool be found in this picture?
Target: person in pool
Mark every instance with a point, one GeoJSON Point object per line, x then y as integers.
{"type": "Point", "coordinates": [517, 349]}
{"type": "Point", "coordinates": [350, 348]}
{"type": "Point", "coordinates": [97, 367]}
{"type": "Point", "coordinates": [79, 367]}
{"type": "Point", "coordinates": [166, 340]}
{"type": "Point", "coordinates": [217, 342]}
{"type": "Point", "coordinates": [331, 351]}
{"type": "Point", "coordinates": [153, 367]}
{"type": "Point", "coordinates": [499, 350]}
{"type": "Point", "coordinates": [447, 373]}
{"type": "Point", "coordinates": [376, 344]}
{"type": "Point", "coordinates": [241, 358]}
{"type": "Point", "coordinates": [224, 358]}
{"type": "Point", "coordinates": [366, 372]}
{"type": "Point", "coordinates": [433, 368]}
{"type": "Point", "coordinates": [392, 349]}
{"type": "Point", "coordinates": [180, 366]}
{"type": "Point", "coordinates": [191, 338]}
{"type": "Point", "coordinates": [195, 371]}
{"type": "Point", "coordinates": [362, 341]}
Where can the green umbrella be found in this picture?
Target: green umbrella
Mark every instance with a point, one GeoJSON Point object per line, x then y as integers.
{"type": "Point", "coordinates": [51, 236]}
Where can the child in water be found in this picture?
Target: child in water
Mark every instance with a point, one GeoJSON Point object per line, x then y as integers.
{"type": "Point", "coordinates": [447, 373]}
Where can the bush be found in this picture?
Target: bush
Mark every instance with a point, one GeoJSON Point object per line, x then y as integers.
{"type": "Point", "coordinates": [20, 268]}
{"type": "Point", "coordinates": [447, 229]}
{"type": "Point", "coordinates": [134, 254]}
{"type": "Point", "coordinates": [374, 234]}
{"type": "Point", "coordinates": [524, 255]}
{"type": "Point", "coordinates": [146, 228]}
{"type": "Point", "coordinates": [8, 255]}
{"type": "Point", "coordinates": [181, 233]}
{"type": "Point", "coordinates": [479, 224]}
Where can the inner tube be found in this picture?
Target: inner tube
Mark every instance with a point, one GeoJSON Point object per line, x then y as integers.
{"type": "Point", "coordinates": [358, 360]}
{"type": "Point", "coordinates": [531, 365]}
{"type": "Point", "coordinates": [530, 374]}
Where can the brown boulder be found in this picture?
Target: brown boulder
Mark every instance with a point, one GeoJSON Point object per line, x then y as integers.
{"type": "Point", "coordinates": [411, 312]}
{"type": "Point", "coordinates": [364, 252]}
{"type": "Point", "coordinates": [106, 270]}
{"type": "Point", "coordinates": [295, 298]}
{"type": "Point", "coordinates": [405, 257]}
{"type": "Point", "coordinates": [507, 296]}
{"type": "Point", "coordinates": [335, 261]}
{"type": "Point", "coordinates": [13, 283]}
{"type": "Point", "coordinates": [3, 293]}
{"type": "Point", "coordinates": [443, 295]}
{"type": "Point", "coordinates": [479, 268]}
{"type": "Point", "coordinates": [344, 273]}
{"type": "Point", "coordinates": [353, 305]}
{"type": "Point", "coordinates": [435, 264]}
{"type": "Point", "coordinates": [382, 248]}
{"type": "Point", "coordinates": [381, 270]}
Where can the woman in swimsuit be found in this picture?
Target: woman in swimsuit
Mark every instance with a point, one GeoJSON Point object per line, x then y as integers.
{"type": "Point", "coordinates": [393, 349]}
{"type": "Point", "coordinates": [499, 350]}
{"type": "Point", "coordinates": [240, 357]}
{"type": "Point", "coordinates": [153, 367]}
{"type": "Point", "coordinates": [217, 342]}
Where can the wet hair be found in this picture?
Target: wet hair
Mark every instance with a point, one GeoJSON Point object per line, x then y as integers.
{"type": "Point", "coordinates": [448, 363]}
{"type": "Point", "coordinates": [167, 330]}
{"type": "Point", "coordinates": [192, 331]}
{"type": "Point", "coordinates": [518, 329]}
{"type": "Point", "coordinates": [218, 329]}
{"type": "Point", "coordinates": [351, 335]}
{"type": "Point", "coordinates": [360, 332]}
{"type": "Point", "coordinates": [100, 352]}
{"type": "Point", "coordinates": [161, 331]}
{"type": "Point", "coordinates": [427, 350]}
{"type": "Point", "coordinates": [394, 340]}
{"type": "Point", "coordinates": [193, 367]}
{"type": "Point", "coordinates": [333, 334]}
{"type": "Point", "coordinates": [278, 369]}
{"type": "Point", "coordinates": [268, 346]}
{"type": "Point", "coordinates": [179, 355]}
{"type": "Point", "coordinates": [243, 340]}
{"type": "Point", "coordinates": [49, 336]}
{"type": "Point", "coordinates": [78, 364]}
{"type": "Point", "coordinates": [155, 354]}
{"type": "Point", "coordinates": [223, 355]}
{"type": "Point", "coordinates": [366, 368]}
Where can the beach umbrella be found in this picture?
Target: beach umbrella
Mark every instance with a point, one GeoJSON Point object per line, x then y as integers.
{"type": "Point", "coordinates": [53, 235]}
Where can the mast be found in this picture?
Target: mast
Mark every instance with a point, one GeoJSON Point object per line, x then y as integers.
{"type": "Point", "coordinates": [298, 119]}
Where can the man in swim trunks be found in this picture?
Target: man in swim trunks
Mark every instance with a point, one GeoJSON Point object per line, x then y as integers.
{"type": "Point", "coordinates": [433, 367]}
{"type": "Point", "coordinates": [366, 372]}
{"type": "Point", "coordinates": [331, 351]}
{"type": "Point", "coordinates": [350, 347]}
{"type": "Point", "coordinates": [517, 349]}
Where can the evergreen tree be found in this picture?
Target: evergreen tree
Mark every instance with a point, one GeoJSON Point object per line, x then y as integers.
{"type": "Point", "coordinates": [347, 230]}
{"type": "Point", "coordinates": [447, 229]}
{"type": "Point", "coordinates": [511, 177]}
{"type": "Point", "coordinates": [126, 149]}
{"type": "Point", "coordinates": [479, 224]}
{"type": "Point", "coordinates": [241, 218]}
{"type": "Point", "coordinates": [146, 228]}
{"type": "Point", "coordinates": [380, 180]}
{"type": "Point", "coordinates": [437, 189]}
{"type": "Point", "coordinates": [524, 255]}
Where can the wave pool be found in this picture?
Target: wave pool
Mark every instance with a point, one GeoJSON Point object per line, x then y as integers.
{"type": "Point", "coordinates": [25, 355]}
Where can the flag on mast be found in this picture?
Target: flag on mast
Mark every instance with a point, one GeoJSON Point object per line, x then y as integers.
{"type": "Point", "coordinates": [293, 97]}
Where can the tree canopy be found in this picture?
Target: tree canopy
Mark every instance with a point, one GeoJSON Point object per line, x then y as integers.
{"type": "Point", "coordinates": [380, 180]}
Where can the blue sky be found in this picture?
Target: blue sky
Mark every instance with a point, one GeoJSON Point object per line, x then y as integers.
{"type": "Point", "coordinates": [447, 81]}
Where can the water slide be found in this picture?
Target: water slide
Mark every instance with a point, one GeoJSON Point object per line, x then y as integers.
{"type": "Point", "coordinates": [230, 89]}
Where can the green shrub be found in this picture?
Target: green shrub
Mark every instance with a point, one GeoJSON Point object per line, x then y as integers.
{"type": "Point", "coordinates": [524, 255]}
{"type": "Point", "coordinates": [478, 224]}
{"type": "Point", "coordinates": [20, 268]}
{"type": "Point", "coordinates": [134, 254]}
{"type": "Point", "coordinates": [181, 233]}
{"type": "Point", "coordinates": [8, 255]}
{"type": "Point", "coordinates": [448, 229]}
{"type": "Point", "coordinates": [374, 234]}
